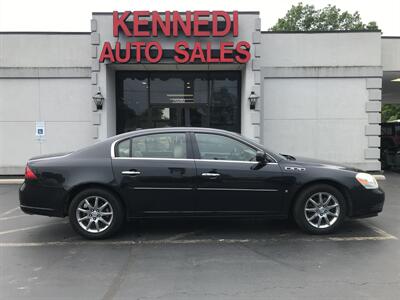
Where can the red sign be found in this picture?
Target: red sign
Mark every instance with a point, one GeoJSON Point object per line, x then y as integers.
{"type": "Point", "coordinates": [173, 24]}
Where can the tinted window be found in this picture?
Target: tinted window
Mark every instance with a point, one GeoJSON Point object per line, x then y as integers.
{"type": "Point", "coordinates": [213, 146]}
{"type": "Point", "coordinates": [180, 98]}
{"type": "Point", "coordinates": [225, 101]}
{"type": "Point", "coordinates": [178, 87]}
{"type": "Point", "coordinates": [123, 149]}
{"type": "Point", "coordinates": [165, 145]}
{"type": "Point", "coordinates": [132, 103]}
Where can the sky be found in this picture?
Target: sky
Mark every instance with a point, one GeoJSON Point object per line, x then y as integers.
{"type": "Point", "coordinates": [75, 15]}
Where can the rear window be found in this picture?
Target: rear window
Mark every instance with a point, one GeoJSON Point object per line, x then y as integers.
{"type": "Point", "coordinates": [123, 149]}
{"type": "Point", "coordinates": [163, 145]}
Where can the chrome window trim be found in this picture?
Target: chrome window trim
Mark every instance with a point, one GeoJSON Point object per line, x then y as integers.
{"type": "Point", "coordinates": [113, 146]}
{"type": "Point", "coordinates": [155, 158]}
{"type": "Point", "coordinates": [135, 136]}
{"type": "Point", "coordinates": [191, 159]}
{"type": "Point", "coordinates": [274, 161]}
{"type": "Point", "coordinates": [231, 161]}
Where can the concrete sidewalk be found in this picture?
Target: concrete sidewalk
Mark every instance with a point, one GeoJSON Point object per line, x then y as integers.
{"type": "Point", "coordinates": [6, 181]}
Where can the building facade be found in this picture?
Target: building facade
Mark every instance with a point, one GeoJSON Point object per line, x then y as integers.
{"type": "Point", "coordinates": [319, 94]}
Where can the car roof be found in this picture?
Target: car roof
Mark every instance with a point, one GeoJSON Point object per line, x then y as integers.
{"type": "Point", "coordinates": [172, 129]}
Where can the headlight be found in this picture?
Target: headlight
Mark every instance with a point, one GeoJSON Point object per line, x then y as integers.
{"type": "Point", "coordinates": [367, 180]}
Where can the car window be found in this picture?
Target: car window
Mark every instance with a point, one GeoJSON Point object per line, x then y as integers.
{"type": "Point", "coordinates": [214, 146]}
{"type": "Point", "coordinates": [163, 145]}
{"type": "Point", "coordinates": [123, 148]}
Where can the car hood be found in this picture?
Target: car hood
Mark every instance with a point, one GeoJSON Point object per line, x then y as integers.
{"type": "Point", "coordinates": [311, 162]}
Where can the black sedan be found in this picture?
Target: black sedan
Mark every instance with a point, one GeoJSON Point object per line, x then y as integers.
{"type": "Point", "coordinates": [192, 172]}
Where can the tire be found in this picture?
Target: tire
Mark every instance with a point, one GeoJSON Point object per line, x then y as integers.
{"type": "Point", "coordinates": [320, 219]}
{"type": "Point", "coordinates": [105, 219]}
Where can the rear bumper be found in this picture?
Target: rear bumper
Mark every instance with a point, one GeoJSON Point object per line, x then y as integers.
{"type": "Point", "coordinates": [35, 199]}
{"type": "Point", "coordinates": [32, 210]}
{"type": "Point", "coordinates": [367, 203]}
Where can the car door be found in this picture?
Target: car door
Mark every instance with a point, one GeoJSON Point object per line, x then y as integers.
{"type": "Point", "coordinates": [229, 180]}
{"type": "Point", "coordinates": [155, 173]}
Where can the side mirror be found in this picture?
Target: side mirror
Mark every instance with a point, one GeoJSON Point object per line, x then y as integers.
{"type": "Point", "coordinates": [261, 156]}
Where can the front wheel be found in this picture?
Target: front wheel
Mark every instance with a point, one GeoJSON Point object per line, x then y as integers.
{"type": "Point", "coordinates": [95, 213]}
{"type": "Point", "coordinates": [320, 209]}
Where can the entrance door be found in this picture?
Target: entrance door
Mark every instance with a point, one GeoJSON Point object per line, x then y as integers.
{"type": "Point", "coordinates": [179, 116]}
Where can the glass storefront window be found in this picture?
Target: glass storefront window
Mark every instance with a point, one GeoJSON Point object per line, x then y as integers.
{"type": "Point", "coordinates": [132, 101]}
{"type": "Point", "coordinates": [170, 99]}
{"type": "Point", "coordinates": [225, 100]}
{"type": "Point", "coordinates": [178, 87]}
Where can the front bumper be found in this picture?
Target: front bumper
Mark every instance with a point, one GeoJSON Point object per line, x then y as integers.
{"type": "Point", "coordinates": [36, 199]}
{"type": "Point", "coordinates": [367, 203]}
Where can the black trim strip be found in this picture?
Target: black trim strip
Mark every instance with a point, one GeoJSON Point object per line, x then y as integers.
{"type": "Point", "coordinates": [38, 208]}
{"type": "Point", "coordinates": [238, 190]}
{"type": "Point", "coordinates": [163, 188]}
{"type": "Point", "coordinates": [206, 189]}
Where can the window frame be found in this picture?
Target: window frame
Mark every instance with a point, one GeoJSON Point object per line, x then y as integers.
{"type": "Point", "coordinates": [196, 149]}
{"type": "Point", "coordinates": [189, 150]}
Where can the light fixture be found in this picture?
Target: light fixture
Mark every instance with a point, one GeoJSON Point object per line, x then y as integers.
{"type": "Point", "coordinates": [253, 100]}
{"type": "Point", "coordinates": [98, 99]}
{"type": "Point", "coordinates": [395, 80]}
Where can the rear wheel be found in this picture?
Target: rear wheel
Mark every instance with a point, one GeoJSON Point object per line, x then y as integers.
{"type": "Point", "coordinates": [320, 209]}
{"type": "Point", "coordinates": [96, 213]}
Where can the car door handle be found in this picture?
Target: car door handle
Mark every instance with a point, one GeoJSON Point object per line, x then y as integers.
{"type": "Point", "coordinates": [131, 173]}
{"type": "Point", "coordinates": [210, 174]}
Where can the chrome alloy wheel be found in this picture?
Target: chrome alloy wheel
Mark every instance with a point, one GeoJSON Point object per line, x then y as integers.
{"type": "Point", "coordinates": [322, 210]}
{"type": "Point", "coordinates": [94, 214]}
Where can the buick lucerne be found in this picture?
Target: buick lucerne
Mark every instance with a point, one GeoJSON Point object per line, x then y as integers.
{"type": "Point", "coordinates": [192, 172]}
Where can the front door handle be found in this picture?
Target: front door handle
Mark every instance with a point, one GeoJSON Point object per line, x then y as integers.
{"type": "Point", "coordinates": [210, 174]}
{"type": "Point", "coordinates": [131, 173]}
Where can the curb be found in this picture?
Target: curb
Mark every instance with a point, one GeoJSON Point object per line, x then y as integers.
{"type": "Point", "coordinates": [11, 181]}
{"type": "Point", "coordinates": [379, 177]}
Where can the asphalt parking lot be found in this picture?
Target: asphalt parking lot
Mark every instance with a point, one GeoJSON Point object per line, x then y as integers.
{"type": "Point", "coordinates": [42, 258]}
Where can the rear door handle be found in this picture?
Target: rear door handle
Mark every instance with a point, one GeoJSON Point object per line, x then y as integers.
{"type": "Point", "coordinates": [210, 174]}
{"type": "Point", "coordinates": [131, 173]}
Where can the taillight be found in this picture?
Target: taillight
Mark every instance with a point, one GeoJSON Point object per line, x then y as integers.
{"type": "Point", "coordinates": [29, 175]}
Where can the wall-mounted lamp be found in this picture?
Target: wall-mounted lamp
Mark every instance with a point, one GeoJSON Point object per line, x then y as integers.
{"type": "Point", "coordinates": [253, 100]}
{"type": "Point", "coordinates": [98, 99]}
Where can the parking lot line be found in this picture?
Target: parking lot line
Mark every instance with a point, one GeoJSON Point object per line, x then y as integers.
{"type": "Point", "coordinates": [12, 217]}
{"type": "Point", "coordinates": [9, 211]}
{"type": "Point", "coordinates": [181, 235]}
{"type": "Point", "coordinates": [195, 241]}
{"type": "Point", "coordinates": [11, 181]}
{"type": "Point", "coordinates": [29, 228]}
{"type": "Point", "coordinates": [381, 231]}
